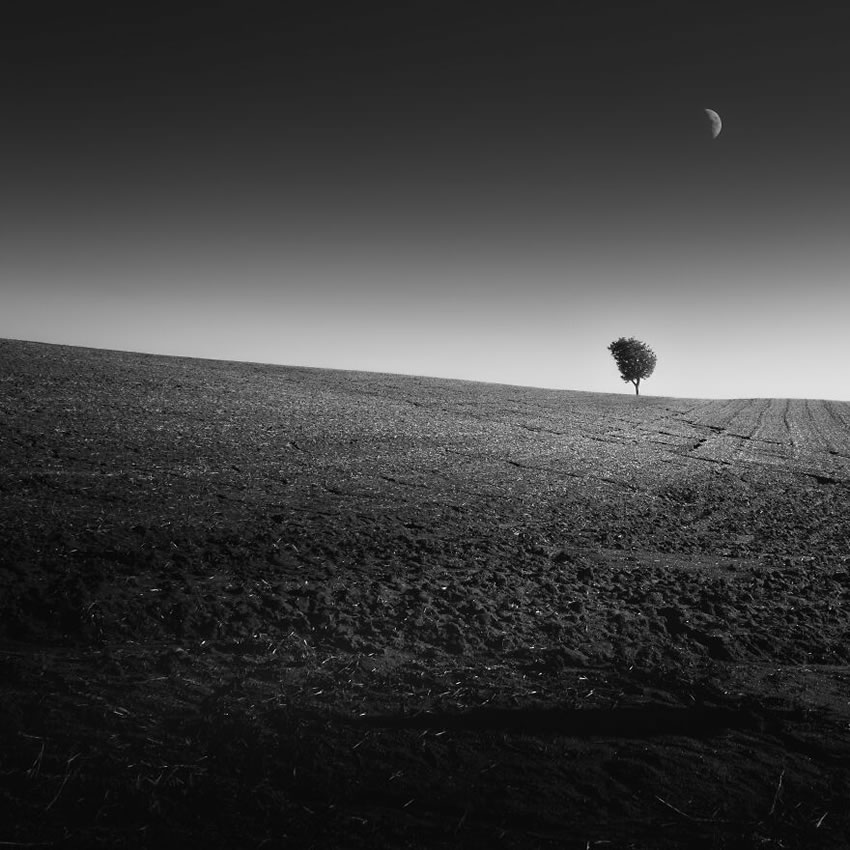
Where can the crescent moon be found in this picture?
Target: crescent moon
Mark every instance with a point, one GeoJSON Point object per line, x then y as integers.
{"type": "Point", "coordinates": [716, 123]}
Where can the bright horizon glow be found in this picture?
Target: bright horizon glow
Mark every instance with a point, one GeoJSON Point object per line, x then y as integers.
{"type": "Point", "coordinates": [516, 342]}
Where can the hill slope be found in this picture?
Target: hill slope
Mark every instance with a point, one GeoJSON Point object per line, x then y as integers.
{"type": "Point", "coordinates": [195, 544]}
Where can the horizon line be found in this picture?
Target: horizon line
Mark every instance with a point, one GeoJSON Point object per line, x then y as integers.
{"type": "Point", "coordinates": [409, 374]}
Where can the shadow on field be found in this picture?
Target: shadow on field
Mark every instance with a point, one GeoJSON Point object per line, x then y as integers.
{"type": "Point", "coordinates": [634, 722]}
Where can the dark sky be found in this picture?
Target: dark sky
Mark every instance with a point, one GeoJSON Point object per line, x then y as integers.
{"type": "Point", "coordinates": [474, 191]}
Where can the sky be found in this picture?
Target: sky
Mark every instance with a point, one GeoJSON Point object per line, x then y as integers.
{"type": "Point", "coordinates": [487, 192]}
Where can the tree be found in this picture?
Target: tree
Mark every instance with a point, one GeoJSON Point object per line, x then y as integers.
{"type": "Point", "coordinates": [635, 360]}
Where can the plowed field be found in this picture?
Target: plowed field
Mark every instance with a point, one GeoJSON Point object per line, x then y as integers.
{"type": "Point", "coordinates": [257, 606]}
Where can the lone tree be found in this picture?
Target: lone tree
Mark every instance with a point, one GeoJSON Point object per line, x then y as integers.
{"type": "Point", "coordinates": [635, 360]}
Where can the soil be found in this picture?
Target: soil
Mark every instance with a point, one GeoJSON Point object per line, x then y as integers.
{"type": "Point", "coordinates": [256, 606]}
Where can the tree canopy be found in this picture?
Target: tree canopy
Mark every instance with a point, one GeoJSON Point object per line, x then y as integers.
{"type": "Point", "coordinates": [635, 360]}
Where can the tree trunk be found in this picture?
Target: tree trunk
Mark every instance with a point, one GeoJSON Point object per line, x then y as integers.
{"type": "Point", "coordinates": [637, 386]}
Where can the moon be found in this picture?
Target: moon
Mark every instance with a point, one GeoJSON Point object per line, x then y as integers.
{"type": "Point", "coordinates": [716, 123]}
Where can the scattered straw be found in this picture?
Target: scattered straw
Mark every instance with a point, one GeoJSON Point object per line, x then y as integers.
{"type": "Point", "coordinates": [778, 791]}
